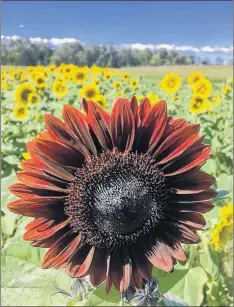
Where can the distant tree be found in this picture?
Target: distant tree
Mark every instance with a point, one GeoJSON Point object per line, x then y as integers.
{"type": "Point", "coordinates": [24, 52]}
{"type": "Point", "coordinates": [219, 60]}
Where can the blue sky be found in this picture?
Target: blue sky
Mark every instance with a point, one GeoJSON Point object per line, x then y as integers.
{"type": "Point", "coordinates": [194, 23]}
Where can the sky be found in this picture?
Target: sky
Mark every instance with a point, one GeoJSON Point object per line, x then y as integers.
{"type": "Point", "coordinates": [193, 23]}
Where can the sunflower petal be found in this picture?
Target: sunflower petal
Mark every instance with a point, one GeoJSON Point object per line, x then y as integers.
{"type": "Point", "coordinates": [122, 125]}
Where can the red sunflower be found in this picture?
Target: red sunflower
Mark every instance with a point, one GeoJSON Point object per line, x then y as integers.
{"type": "Point", "coordinates": [114, 194]}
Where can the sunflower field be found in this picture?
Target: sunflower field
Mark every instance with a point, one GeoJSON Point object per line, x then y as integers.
{"type": "Point", "coordinates": [27, 95]}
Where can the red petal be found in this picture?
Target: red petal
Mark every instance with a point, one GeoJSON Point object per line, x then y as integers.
{"type": "Point", "coordinates": [160, 258]}
{"type": "Point", "coordinates": [39, 223]}
{"type": "Point", "coordinates": [202, 207]}
{"type": "Point", "coordinates": [191, 181]}
{"type": "Point", "coordinates": [84, 268]}
{"type": "Point", "coordinates": [99, 122]}
{"type": "Point", "coordinates": [78, 126]}
{"type": "Point", "coordinates": [125, 281]}
{"type": "Point", "coordinates": [144, 108]}
{"type": "Point", "coordinates": [76, 260]}
{"type": "Point", "coordinates": [41, 181]}
{"type": "Point", "coordinates": [122, 125]}
{"type": "Point", "coordinates": [60, 251]}
{"type": "Point", "coordinates": [56, 128]}
{"type": "Point", "coordinates": [177, 252]}
{"type": "Point", "coordinates": [134, 108]}
{"type": "Point", "coordinates": [187, 162]}
{"type": "Point", "coordinates": [177, 143]}
{"type": "Point", "coordinates": [39, 232]}
{"type": "Point", "coordinates": [191, 219]}
{"type": "Point", "coordinates": [48, 207]}
{"type": "Point", "coordinates": [152, 127]}
{"type": "Point", "coordinates": [206, 195]}
{"type": "Point", "coordinates": [98, 267]}
{"type": "Point", "coordinates": [60, 153]}
{"type": "Point", "coordinates": [108, 279]}
{"type": "Point", "coordinates": [25, 192]}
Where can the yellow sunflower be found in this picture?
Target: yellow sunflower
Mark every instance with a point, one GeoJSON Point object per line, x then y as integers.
{"type": "Point", "coordinates": [80, 75]}
{"type": "Point", "coordinates": [106, 75]}
{"type": "Point", "coordinates": [22, 92]}
{"type": "Point", "coordinates": [89, 91]}
{"type": "Point", "coordinates": [195, 77]}
{"type": "Point", "coordinates": [6, 86]}
{"type": "Point", "coordinates": [95, 70]}
{"type": "Point", "coordinates": [40, 80]}
{"type": "Point", "coordinates": [52, 68]}
{"type": "Point", "coordinates": [133, 83]}
{"type": "Point", "coordinates": [33, 99]}
{"type": "Point", "coordinates": [59, 89]}
{"type": "Point", "coordinates": [125, 76]}
{"type": "Point", "coordinates": [101, 100]}
{"type": "Point", "coordinates": [152, 97]}
{"type": "Point", "coordinates": [97, 81]}
{"type": "Point", "coordinates": [20, 111]}
{"type": "Point", "coordinates": [198, 104]}
{"type": "Point", "coordinates": [170, 83]}
{"type": "Point", "coordinates": [116, 84]}
{"type": "Point", "coordinates": [226, 90]}
{"type": "Point", "coordinates": [222, 233]}
{"type": "Point", "coordinates": [203, 87]}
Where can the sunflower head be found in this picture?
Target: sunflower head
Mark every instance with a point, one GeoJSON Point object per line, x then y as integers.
{"type": "Point", "coordinates": [195, 77]}
{"type": "Point", "coordinates": [40, 80]}
{"type": "Point", "coordinates": [116, 85]}
{"type": "Point", "coordinates": [133, 83]}
{"type": "Point", "coordinates": [170, 83]}
{"type": "Point", "coordinates": [113, 195]}
{"type": "Point", "coordinates": [89, 91]}
{"type": "Point", "coordinates": [202, 87]}
{"type": "Point", "coordinates": [101, 100]}
{"type": "Point", "coordinates": [125, 76]}
{"type": "Point", "coordinates": [59, 89]}
{"type": "Point", "coordinates": [23, 91]}
{"type": "Point", "coordinates": [226, 90]}
{"type": "Point", "coordinates": [198, 104]}
{"type": "Point", "coordinates": [33, 99]}
{"type": "Point", "coordinates": [80, 75]}
{"type": "Point", "coordinates": [20, 112]}
{"type": "Point", "coordinates": [51, 68]}
{"type": "Point", "coordinates": [222, 233]}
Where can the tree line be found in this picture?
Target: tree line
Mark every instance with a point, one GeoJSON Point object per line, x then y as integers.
{"type": "Point", "coordinates": [26, 53]}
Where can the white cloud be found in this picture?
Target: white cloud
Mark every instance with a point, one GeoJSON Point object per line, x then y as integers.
{"type": "Point", "coordinates": [21, 26]}
{"type": "Point", "coordinates": [182, 48]}
{"type": "Point", "coordinates": [56, 42]}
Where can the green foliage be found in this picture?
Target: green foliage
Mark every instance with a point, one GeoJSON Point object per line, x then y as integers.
{"type": "Point", "coordinates": [24, 53]}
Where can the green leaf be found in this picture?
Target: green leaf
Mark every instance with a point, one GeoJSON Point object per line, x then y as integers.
{"type": "Point", "coordinates": [168, 280]}
{"type": "Point", "coordinates": [24, 283]}
{"type": "Point", "coordinates": [190, 288]}
{"type": "Point", "coordinates": [169, 299]}
{"type": "Point", "coordinates": [113, 296]}
{"type": "Point", "coordinates": [6, 196]}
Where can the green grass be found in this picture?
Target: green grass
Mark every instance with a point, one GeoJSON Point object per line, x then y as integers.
{"type": "Point", "coordinates": [212, 72]}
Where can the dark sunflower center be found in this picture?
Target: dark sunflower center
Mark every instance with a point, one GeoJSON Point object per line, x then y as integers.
{"type": "Point", "coordinates": [121, 202]}
{"type": "Point", "coordinates": [116, 198]}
